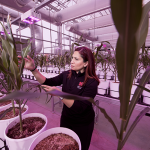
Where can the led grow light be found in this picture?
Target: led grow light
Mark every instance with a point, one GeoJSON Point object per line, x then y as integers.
{"type": "Point", "coordinates": [31, 16]}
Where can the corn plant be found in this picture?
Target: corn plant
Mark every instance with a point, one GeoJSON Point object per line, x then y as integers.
{"type": "Point", "coordinates": [132, 25]}
{"type": "Point", "coordinates": [10, 67]}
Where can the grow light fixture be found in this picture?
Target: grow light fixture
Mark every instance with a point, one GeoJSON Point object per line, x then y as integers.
{"type": "Point", "coordinates": [31, 16]}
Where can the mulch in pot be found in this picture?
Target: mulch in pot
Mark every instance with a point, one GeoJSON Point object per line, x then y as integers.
{"type": "Point", "coordinates": [31, 125]}
{"type": "Point", "coordinates": [10, 114]}
{"type": "Point", "coordinates": [58, 141]}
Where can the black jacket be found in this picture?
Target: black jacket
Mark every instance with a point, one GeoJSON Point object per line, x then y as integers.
{"type": "Point", "coordinates": [81, 111]}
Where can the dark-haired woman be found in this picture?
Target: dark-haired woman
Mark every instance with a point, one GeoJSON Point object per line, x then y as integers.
{"type": "Point", "coordinates": [81, 80]}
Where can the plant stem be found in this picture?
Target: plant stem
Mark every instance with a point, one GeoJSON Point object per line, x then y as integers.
{"type": "Point", "coordinates": [121, 135]}
{"type": "Point", "coordinates": [12, 101]}
{"type": "Point", "coordinates": [20, 116]}
{"type": "Point", "coordinates": [115, 75]}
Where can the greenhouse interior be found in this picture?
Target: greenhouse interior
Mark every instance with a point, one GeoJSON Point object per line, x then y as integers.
{"type": "Point", "coordinates": [74, 75]}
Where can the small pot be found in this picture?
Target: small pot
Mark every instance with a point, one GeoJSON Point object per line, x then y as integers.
{"type": "Point", "coordinates": [53, 131]}
{"type": "Point", "coordinates": [5, 123]}
{"type": "Point", "coordinates": [24, 143]}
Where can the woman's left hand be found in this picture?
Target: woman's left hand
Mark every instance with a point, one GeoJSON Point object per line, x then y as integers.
{"type": "Point", "coordinates": [49, 88]}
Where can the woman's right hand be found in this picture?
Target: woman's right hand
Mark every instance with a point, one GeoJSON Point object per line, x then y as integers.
{"type": "Point", "coordinates": [29, 62]}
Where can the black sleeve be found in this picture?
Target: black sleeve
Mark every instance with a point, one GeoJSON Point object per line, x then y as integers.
{"type": "Point", "coordinates": [90, 90]}
{"type": "Point", "coordinates": [55, 81]}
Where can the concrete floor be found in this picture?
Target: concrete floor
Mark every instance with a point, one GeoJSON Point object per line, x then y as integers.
{"type": "Point", "coordinates": [103, 137]}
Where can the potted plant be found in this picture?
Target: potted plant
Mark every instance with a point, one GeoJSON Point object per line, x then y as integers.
{"type": "Point", "coordinates": [10, 67]}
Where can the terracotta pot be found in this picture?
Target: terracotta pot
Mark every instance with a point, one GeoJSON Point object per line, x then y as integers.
{"type": "Point", "coordinates": [53, 131]}
{"type": "Point", "coordinates": [24, 143]}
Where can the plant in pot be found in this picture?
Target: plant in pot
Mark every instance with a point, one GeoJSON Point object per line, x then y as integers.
{"type": "Point", "coordinates": [10, 67]}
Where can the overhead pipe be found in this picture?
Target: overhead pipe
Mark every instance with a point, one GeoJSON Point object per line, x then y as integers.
{"type": "Point", "coordinates": [22, 3]}
{"type": "Point", "coordinates": [81, 9]}
{"type": "Point", "coordinates": [102, 30]}
{"type": "Point", "coordinates": [83, 34]}
{"type": "Point", "coordinates": [38, 34]}
{"type": "Point", "coordinates": [93, 23]}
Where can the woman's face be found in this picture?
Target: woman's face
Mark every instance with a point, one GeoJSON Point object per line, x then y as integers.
{"type": "Point", "coordinates": [77, 62]}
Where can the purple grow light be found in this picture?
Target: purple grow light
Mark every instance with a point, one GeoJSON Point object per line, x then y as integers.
{"type": "Point", "coordinates": [31, 20]}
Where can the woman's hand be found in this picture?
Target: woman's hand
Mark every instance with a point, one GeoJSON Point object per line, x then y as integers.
{"type": "Point", "coordinates": [49, 88]}
{"type": "Point", "coordinates": [29, 62]}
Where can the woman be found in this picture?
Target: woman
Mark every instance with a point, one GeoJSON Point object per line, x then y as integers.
{"type": "Point", "coordinates": [81, 80]}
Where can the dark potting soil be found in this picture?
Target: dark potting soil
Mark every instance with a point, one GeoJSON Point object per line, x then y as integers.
{"type": "Point", "coordinates": [5, 103]}
{"type": "Point", "coordinates": [58, 141]}
{"type": "Point", "coordinates": [10, 114]}
{"type": "Point", "coordinates": [31, 125]}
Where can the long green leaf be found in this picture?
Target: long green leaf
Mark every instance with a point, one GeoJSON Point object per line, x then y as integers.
{"type": "Point", "coordinates": [143, 27]}
{"type": "Point", "coordinates": [14, 69]}
{"type": "Point", "coordinates": [143, 88]}
{"type": "Point", "coordinates": [7, 35]}
{"type": "Point", "coordinates": [5, 59]}
{"type": "Point", "coordinates": [139, 117]}
{"type": "Point", "coordinates": [4, 84]}
{"type": "Point", "coordinates": [5, 112]}
{"type": "Point", "coordinates": [26, 50]}
{"type": "Point", "coordinates": [18, 42]}
{"type": "Point", "coordinates": [10, 30]}
{"type": "Point", "coordinates": [127, 22]}
{"type": "Point", "coordinates": [2, 68]}
{"type": "Point", "coordinates": [28, 95]}
{"type": "Point", "coordinates": [145, 78]}
{"type": "Point", "coordinates": [107, 117]}
{"type": "Point", "coordinates": [7, 47]}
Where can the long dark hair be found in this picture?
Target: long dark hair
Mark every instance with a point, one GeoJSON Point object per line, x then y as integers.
{"type": "Point", "coordinates": [87, 55]}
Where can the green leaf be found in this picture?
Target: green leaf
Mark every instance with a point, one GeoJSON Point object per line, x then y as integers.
{"type": "Point", "coordinates": [107, 117]}
{"type": "Point", "coordinates": [127, 22]}
{"type": "Point", "coordinates": [5, 86]}
{"type": "Point", "coordinates": [2, 68]}
{"type": "Point", "coordinates": [18, 42]}
{"type": "Point", "coordinates": [143, 48]}
{"type": "Point", "coordinates": [5, 112]}
{"type": "Point", "coordinates": [7, 36]}
{"type": "Point", "coordinates": [26, 50]}
{"type": "Point", "coordinates": [15, 70]}
{"type": "Point", "coordinates": [22, 66]}
{"type": "Point", "coordinates": [5, 59]}
{"type": "Point", "coordinates": [137, 93]}
{"type": "Point", "coordinates": [10, 30]}
{"type": "Point", "coordinates": [143, 27]}
{"type": "Point", "coordinates": [7, 47]}
{"type": "Point", "coordinates": [143, 88]}
{"type": "Point", "coordinates": [139, 117]}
